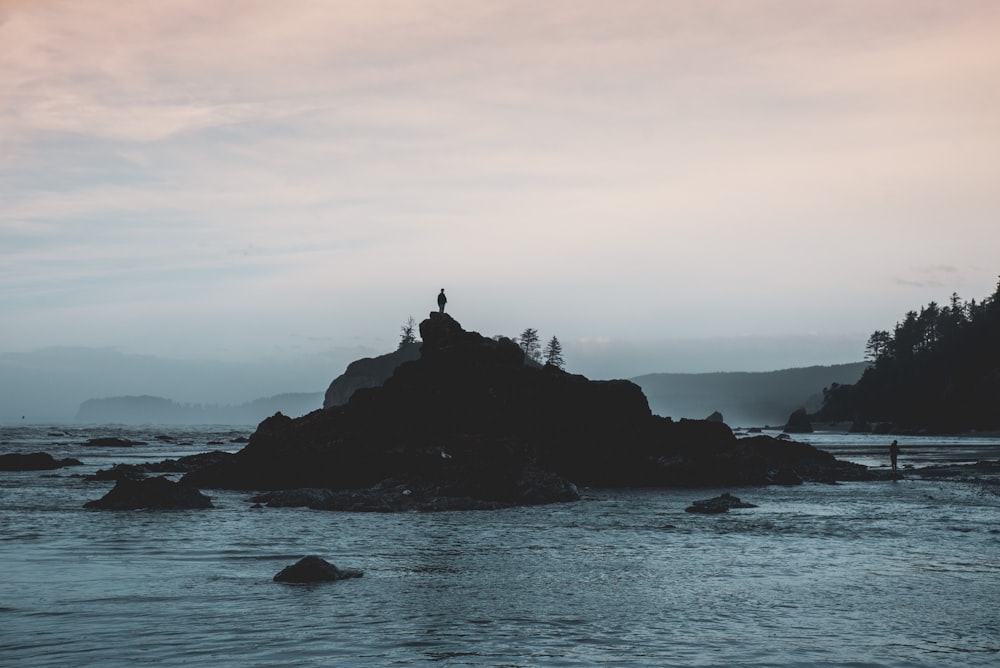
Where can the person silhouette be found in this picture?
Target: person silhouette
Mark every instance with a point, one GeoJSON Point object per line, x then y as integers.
{"type": "Point", "coordinates": [442, 300]}
{"type": "Point", "coordinates": [893, 454]}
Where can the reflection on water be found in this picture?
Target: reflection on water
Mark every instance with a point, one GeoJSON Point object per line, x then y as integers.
{"type": "Point", "coordinates": [888, 574]}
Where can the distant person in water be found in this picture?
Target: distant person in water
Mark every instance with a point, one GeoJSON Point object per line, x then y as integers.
{"type": "Point", "coordinates": [893, 454]}
{"type": "Point", "coordinates": [442, 300]}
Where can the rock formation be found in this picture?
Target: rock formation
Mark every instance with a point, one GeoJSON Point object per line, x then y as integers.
{"type": "Point", "coordinates": [470, 421]}
{"type": "Point", "coordinates": [798, 423]}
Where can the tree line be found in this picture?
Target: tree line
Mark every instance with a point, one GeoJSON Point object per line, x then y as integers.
{"type": "Point", "coordinates": [938, 369]}
{"type": "Point", "coordinates": [530, 343]}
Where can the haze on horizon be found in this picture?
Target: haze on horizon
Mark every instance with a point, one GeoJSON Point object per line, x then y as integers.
{"type": "Point", "coordinates": [665, 186]}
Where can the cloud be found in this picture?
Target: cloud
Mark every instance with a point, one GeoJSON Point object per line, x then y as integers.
{"type": "Point", "coordinates": [646, 166]}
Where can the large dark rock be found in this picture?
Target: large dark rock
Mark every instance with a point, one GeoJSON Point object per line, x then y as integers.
{"type": "Point", "coordinates": [469, 424]}
{"type": "Point", "coordinates": [314, 569]}
{"type": "Point", "coordinates": [151, 493]}
{"type": "Point", "coordinates": [34, 461]}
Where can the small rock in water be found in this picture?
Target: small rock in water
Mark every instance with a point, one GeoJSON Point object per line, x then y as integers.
{"type": "Point", "coordinates": [150, 493]}
{"type": "Point", "coordinates": [719, 504]}
{"type": "Point", "coordinates": [315, 569]}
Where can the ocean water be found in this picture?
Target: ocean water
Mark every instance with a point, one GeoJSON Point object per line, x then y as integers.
{"type": "Point", "coordinates": [855, 574]}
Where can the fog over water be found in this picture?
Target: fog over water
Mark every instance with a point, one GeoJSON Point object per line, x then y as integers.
{"type": "Point", "coordinates": [50, 384]}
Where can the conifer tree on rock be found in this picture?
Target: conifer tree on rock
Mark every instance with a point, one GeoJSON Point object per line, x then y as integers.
{"type": "Point", "coordinates": [530, 344]}
{"type": "Point", "coordinates": [553, 354]}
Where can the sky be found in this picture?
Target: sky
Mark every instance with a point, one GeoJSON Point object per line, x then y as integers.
{"type": "Point", "coordinates": [664, 186]}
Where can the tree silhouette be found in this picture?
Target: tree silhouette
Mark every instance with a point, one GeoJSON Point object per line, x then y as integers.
{"type": "Point", "coordinates": [530, 344]}
{"type": "Point", "coordinates": [938, 370]}
{"type": "Point", "coordinates": [553, 353]}
{"type": "Point", "coordinates": [408, 332]}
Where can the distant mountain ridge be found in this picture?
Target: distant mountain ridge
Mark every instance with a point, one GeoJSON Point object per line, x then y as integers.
{"type": "Point", "coordinates": [745, 398]}
{"type": "Point", "coordinates": [146, 409]}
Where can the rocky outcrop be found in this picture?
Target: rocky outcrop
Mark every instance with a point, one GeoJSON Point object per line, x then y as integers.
{"type": "Point", "coordinates": [470, 424]}
{"type": "Point", "coordinates": [314, 569]}
{"type": "Point", "coordinates": [34, 461]}
{"type": "Point", "coordinates": [716, 416]}
{"type": "Point", "coordinates": [150, 493]}
{"type": "Point", "coordinates": [368, 372]}
{"type": "Point", "coordinates": [798, 423]}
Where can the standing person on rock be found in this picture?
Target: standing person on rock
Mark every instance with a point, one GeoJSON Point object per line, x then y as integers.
{"type": "Point", "coordinates": [893, 455]}
{"type": "Point", "coordinates": [442, 300]}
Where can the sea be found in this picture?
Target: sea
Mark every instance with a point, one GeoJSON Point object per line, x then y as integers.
{"type": "Point", "coordinates": [903, 573]}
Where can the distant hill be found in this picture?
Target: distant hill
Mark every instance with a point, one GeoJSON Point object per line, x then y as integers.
{"type": "Point", "coordinates": [744, 398]}
{"type": "Point", "coordinates": [147, 409]}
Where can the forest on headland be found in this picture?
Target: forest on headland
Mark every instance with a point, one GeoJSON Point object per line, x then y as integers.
{"type": "Point", "coordinates": [937, 370]}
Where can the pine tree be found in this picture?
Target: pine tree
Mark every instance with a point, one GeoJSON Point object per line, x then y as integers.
{"type": "Point", "coordinates": [529, 344]}
{"type": "Point", "coordinates": [408, 334]}
{"type": "Point", "coordinates": [553, 354]}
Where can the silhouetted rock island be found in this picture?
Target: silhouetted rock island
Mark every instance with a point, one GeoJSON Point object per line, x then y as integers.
{"type": "Point", "coordinates": [470, 425]}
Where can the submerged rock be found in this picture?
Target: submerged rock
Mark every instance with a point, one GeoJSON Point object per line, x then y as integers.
{"type": "Point", "coordinates": [314, 569]}
{"type": "Point", "coordinates": [34, 461]}
{"type": "Point", "coordinates": [718, 504]}
{"type": "Point", "coordinates": [150, 493]}
{"type": "Point", "coordinates": [120, 472]}
{"type": "Point", "coordinates": [181, 465]}
{"type": "Point", "coordinates": [393, 495]}
{"type": "Point", "coordinates": [112, 442]}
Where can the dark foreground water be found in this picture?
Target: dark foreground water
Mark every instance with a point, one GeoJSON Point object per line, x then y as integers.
{"type": "Point", "coordinates": [881, 574]}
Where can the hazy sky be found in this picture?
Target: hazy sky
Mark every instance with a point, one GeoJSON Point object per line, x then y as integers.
{"type": "Point", "coordinates": [207, 178]}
